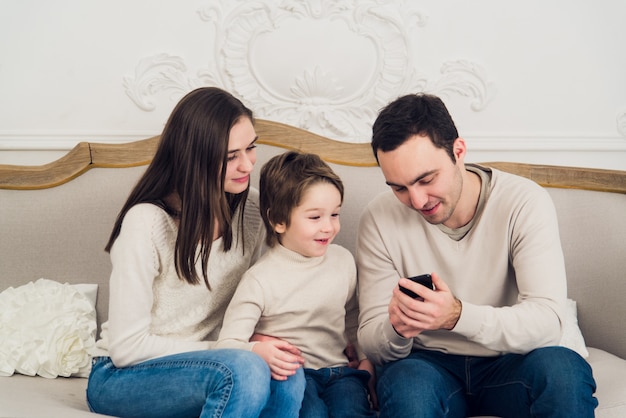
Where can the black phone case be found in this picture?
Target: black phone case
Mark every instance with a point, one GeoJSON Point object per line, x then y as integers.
{"type": "Point", "coordinates": [423, 279]}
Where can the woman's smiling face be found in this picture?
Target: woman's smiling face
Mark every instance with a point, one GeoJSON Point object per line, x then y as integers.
{"type": "Point", "coordinates": [241, 156]}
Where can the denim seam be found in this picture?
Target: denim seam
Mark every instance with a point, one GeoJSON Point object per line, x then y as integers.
{"type": "Point", "coordinates": [447, 410]}
{"type": "Point", "coordinates": [468, 376]}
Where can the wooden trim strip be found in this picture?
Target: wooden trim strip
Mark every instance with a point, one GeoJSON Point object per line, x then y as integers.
{"type": "Point", "coordinates": [130, 154]}
{"type": "Point", "coordinates": [66, 168]}
{"type": "Point", "coordinates": [289, 137]}
{"type": "Point", "coordinates": [567, 177]}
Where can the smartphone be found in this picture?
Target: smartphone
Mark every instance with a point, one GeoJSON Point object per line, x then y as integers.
{"type": "Point", "coordinates": [423, 279]}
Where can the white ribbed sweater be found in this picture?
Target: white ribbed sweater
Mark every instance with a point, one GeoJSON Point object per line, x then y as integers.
{"type": "Point", "coordinates": [152, 312]}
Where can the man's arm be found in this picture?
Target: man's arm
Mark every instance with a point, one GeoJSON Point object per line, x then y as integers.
{"type": "Point", "coordinates": [377, 279]}
{"type": "Point", "coordinates": [536, 257]}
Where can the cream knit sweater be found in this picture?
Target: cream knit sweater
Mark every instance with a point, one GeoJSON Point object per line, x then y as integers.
{"type": "Point", "coordinates": [508, 271]}
{"type": "Point", "coordinates": [152, 312]}
{"type": "Point", "coordinates": [308, 301]}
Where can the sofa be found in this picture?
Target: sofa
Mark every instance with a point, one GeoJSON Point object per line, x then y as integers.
{"type": "Point", "coordinates": [55, 220]}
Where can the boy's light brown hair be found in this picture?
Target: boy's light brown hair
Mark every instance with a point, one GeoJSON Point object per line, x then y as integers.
{"type": "Point", "coordinates": [284, 180]}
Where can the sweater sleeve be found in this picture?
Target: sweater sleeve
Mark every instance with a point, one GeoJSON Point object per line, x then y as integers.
{"type": "Point", "coordinates": [537, 260]}
{"type": "Point", "coordinates": [242, 315]}
{"type": "Point", "coordinates": [377, 277]}
{"type": "Point", "coordinates": [135, 267]}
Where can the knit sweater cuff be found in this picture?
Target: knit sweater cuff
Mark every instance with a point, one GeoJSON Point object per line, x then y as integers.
{"type": "Point", "coordinates": [471, 320]}
{"type": "Point", "coordinates": [399, 346]}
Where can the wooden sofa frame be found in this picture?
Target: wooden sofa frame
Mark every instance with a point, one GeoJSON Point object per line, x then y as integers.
{"type": "Point", "coordinates": [86, 155]}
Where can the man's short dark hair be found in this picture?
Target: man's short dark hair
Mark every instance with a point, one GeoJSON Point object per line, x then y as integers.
{"type": "Point", "coordinates": [414, 114]}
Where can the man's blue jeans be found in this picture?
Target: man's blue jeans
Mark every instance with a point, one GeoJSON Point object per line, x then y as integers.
{"type": "Point", "coordinates": [547, 382]}
{"type": "Point", "coordinates": [209, 383]}
{"type": "Point", "coordinates": [336, 392]}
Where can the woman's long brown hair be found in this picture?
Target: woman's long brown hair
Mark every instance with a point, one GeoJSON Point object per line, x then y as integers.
{"type": "Point", "coordinates": [191, 162]}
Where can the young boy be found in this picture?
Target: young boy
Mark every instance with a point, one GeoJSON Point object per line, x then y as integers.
{"type": "Point", "coordinates": [302, 292]}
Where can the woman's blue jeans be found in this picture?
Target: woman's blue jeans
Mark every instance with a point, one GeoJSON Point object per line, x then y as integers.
{"type": "Point", "coordinates": [336, 392]}
{"type": "Point", "coordinates": [547, 382]}
{"type": "Point", "coordinates": [209, 383]}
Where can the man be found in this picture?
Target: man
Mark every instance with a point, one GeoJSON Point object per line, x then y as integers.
{"type": "Point", "coordinates": [484, 341]}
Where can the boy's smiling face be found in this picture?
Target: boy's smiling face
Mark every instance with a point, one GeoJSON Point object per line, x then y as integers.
{"type": "Point", "coordinates": [314, 222]}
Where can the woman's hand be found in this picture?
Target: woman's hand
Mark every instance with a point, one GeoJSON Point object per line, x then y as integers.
{"type": "Point", "coordinates": [283, 358]}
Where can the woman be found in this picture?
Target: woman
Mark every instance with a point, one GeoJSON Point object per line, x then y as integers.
{"type": "Point", "coordinates": [186, 234]}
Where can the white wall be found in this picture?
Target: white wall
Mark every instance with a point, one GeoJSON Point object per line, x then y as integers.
{"type": "Point", "coordinates": [533, 81]}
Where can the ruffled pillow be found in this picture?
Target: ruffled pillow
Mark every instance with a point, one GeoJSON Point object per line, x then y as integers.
{"type": "Point", "coordinates": [47, 329]}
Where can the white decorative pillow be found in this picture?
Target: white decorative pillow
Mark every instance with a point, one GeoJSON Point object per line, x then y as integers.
{"type": "Point", "coordinates": [572, 338]}
{"type": "Point", "coordinates": [47, 329]}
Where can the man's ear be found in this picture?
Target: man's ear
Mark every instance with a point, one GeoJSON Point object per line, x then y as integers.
{"type": "Point", "coordinates": [459, 149]}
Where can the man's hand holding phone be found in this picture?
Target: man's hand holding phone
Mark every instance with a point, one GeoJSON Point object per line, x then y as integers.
{"type": "Point", "coordinates": [433, 308]}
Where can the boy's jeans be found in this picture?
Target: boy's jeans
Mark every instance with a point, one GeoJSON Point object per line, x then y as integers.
{"type": "Point", "coordinates": [336, 392]}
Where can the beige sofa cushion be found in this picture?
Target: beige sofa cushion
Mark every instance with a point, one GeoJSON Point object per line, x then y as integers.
{"type": "Point", "coordinates": [65, 242]}
{"type": "Point", "coordinates": [609, 372]}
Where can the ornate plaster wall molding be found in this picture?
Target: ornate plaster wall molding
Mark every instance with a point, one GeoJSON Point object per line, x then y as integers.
{"type": "Point", "coordinates": [326, 66]}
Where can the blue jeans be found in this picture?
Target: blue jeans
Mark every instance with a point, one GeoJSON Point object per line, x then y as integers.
{"type": "Point", "coordinates": [209, 383]}
{"type": "Point", "coordinates": [547, 382]}
{"type": "Point", "coordinates": [336, 392]}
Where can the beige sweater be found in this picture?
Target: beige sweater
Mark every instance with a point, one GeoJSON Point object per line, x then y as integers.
{"type": "Point", "coordinates": [308, 301]}
{"type": "Point", "coordinates": [508, 272]}
{"type": "Point", "coordinates": [152, 312]}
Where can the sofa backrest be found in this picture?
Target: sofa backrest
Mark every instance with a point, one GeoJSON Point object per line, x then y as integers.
{"type": "Point", "coordinates": [592, 226]}
{"type": "Point", "coordinates": [59, 233]}
{"type": "Point", "coordinates": [55, 220]}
